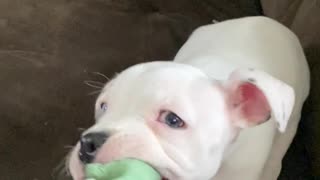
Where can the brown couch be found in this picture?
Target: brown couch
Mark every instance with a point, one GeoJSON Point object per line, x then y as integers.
{"type": "Point", "coordinates": [48, 49]}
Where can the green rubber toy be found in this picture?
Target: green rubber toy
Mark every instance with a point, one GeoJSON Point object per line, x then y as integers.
{"type": "Point", "coordinates": [126, 169]}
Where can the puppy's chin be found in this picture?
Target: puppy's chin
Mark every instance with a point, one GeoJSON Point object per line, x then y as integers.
{"type": "Point", "coordinates": [75, 166]}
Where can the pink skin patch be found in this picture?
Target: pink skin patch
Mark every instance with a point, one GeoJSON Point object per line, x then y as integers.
{"type": "Point", "coordinates": [253, 104]}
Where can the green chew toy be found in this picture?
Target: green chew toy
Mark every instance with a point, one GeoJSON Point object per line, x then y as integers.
{"type": "Point", "coordinates": [126, 169]}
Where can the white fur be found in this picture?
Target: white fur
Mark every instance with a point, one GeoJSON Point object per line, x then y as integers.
{"type": "Point", "coordinates": [196, 87]}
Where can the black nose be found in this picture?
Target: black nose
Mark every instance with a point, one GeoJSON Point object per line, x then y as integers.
{"type": "Point", "coordinates": [89, 145]}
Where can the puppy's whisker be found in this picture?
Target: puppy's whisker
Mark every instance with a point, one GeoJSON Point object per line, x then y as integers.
{"type": "Point", "coordinates": [94, 92]}
{"type": "Point", "coordinates": [81, 129]}
{"type": "Point", "coordinates": [94, 84]}
{"type": "Point", "coordinates": [100, 74]}
{"type": "Point", "coordinates": [61, 169]}
{"type": "Point", "coordinates": [68, 147]}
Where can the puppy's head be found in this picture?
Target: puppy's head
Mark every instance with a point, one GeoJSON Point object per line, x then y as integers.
{"type": "Point", "coordinates": [177, 119]}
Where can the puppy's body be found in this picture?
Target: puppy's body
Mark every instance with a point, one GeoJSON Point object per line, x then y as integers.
{"type": "Point", "coordinates": [227, 78]}
{"type": "Point", "coordinates": [261, 43]}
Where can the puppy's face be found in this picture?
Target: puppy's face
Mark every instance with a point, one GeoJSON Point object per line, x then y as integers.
{"type": "Point", "coordinates": [169, 115]}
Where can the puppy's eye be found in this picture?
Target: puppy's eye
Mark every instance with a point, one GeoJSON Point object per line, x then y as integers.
{"type": "Point", "coordinates": [103, 106]}
{"type": "Point", "coordinates": [172, 120]}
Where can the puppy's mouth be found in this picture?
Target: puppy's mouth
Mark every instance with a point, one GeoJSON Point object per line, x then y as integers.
{"type": "Point", "coordinates": [77, 166]}
{"type": "Point", "coordinates": [162, 176]}
{"type": "Point", "coordinates": [78, 172]}
{"type": "Point", "coordinates": [157, 170]}
{"type": "Point", "coordinates": [154, 167]}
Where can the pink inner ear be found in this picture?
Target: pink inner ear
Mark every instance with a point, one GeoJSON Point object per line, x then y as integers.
{"type": "Point", "coordinates": [253, 104]}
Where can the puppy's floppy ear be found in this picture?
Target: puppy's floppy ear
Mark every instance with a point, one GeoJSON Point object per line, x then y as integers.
{"type": "Point", "coordinates": [254, 96]}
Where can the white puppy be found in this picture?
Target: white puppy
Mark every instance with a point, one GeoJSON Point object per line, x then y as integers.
{"type": "Point", "coordinates": [212, 114]}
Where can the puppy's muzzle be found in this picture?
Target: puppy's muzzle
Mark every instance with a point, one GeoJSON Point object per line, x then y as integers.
{"type": "Point", "coordinates": [90, 144]}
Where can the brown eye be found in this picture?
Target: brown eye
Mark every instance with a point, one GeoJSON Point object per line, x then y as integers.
{"type": "Point", "coordinates": [103, 106]}
{"type": "Point", "coordinates": [172, 120]}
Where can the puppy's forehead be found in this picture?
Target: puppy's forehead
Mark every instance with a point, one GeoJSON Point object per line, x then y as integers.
{"type": "Point", "coordinates": [154, 72]}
